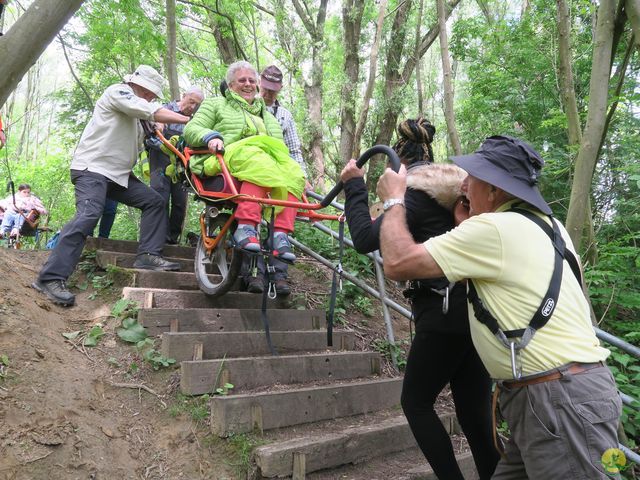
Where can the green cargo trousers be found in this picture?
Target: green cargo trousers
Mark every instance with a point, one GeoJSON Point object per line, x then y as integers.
{"type": "Point", "coordinates": [560, 429]}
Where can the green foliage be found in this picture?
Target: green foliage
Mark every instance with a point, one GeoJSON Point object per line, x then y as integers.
{"type": "Point", "coordinates": [131, 331]}
{"type": "Point", "coordinates": [146, 348]}
{"type": "Point", "coordinates": [391, 351]}
{"type": "Point", "coordinates": [626, 371]}
{"type": "Point", "coordinates": [197, 408]}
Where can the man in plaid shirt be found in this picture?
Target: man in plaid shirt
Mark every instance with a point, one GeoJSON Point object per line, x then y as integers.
{"type": "Point", "coordinates": [270, 86]}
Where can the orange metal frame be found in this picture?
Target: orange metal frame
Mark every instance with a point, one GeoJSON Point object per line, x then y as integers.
{"type": "Point", "coordinates": [306, 210]}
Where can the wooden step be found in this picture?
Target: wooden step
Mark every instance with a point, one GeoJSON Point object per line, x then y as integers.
{"type": "Point", "coordinates": [159, 320]}
{"type": "Point", "coordinates": [242, 413]}
{"type": "Point", "coordinates": [180, 346]}
{"type": "Point", "coordinates": [333, 449]}
{"type": "Point", "coordinates": [127, 246]}
{"type": "Point", "coordinates": [200, 376]}
{"type": "Point", "coordinates": [105, 258]}
{"type": "Point", "coordinates": [169, 298]}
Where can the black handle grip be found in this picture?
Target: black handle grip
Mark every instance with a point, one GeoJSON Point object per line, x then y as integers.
{"type": "Point", "coordinates": [364, 158]}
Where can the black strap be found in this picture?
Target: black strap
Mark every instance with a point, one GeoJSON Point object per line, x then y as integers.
{"type": "Point", "coordinates": [337, 272]}
{"type": "Point", "coordinates": [267, 282]}
{"type": "Point", "coordinates": [550, 299]}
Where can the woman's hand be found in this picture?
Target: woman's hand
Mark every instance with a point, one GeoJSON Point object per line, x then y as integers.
{"type": "Point", "coordinates": [350, 171]}
{"type": "Point", "coordinates": [215, 145]}
{"type": "Point", "coordinates": [392, 184]}
{"type": "Point", "coordinates": [460, 210]}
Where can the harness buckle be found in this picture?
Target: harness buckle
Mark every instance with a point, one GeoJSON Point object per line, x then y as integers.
{"type": "Point", "coordinates": [272, 290]}
{"type": "Point", "coordinates": [516, 369]}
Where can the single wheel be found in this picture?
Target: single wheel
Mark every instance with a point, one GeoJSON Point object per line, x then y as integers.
{"type": "Point", "coordinates": [217, 272]}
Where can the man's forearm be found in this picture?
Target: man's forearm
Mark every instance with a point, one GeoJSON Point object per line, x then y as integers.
{"type": "Point", "coordinates": [404, 259]}
{"type": "Point", "coordinates": [164, 115]}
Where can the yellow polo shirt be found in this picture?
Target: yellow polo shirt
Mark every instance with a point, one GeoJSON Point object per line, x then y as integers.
{"type": "Point", "coordinates": [510, 260]}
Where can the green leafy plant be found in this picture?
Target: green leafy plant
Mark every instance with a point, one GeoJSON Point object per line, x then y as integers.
{"type": "Point", "coordinates": [88, 339]}
{"type": "Point", "coordinates": [391, 351]}
{"type": "Point", "coordinates": [147, 350]}
{"type": "Point", "coordinates": [196, 407]}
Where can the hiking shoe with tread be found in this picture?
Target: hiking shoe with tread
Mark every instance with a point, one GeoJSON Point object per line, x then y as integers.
{"type": "Point", "coordinates": [282, 287]}
{"type": "Point", "coordinates": [246, 238]}
{"type": "Point", "coordinates": [56, 291]}
{"type": "Point", "coordinates": [255, 285]}
{"type": "Point", "coordinates": [147, 261]}
{"type": "Point", "coordinates": [282, 248]}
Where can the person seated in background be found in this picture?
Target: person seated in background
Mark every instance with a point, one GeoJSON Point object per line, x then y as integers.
{"type": "Point", "coordinates": [254, 153]}
{"type": "Point", "coordinates": [441, 351]}
{"type": "Point", "coordinates": [16, 214]}
{"type": "Point", "coordinates": [175, 196]}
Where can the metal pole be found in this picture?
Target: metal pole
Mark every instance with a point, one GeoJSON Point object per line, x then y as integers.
{"type": "Point", "coordinates": [385, 309]}
{"type": "Point", "coordinates": [618, 342]}
{"type": "Point", "coordinates": [359, 283]}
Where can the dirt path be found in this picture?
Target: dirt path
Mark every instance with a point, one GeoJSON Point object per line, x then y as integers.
{"type": "Point", "coordinates": [61, 417]}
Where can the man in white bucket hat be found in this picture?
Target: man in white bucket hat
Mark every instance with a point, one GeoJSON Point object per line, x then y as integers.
{"type": "Point", "coordinates": [101, 169]}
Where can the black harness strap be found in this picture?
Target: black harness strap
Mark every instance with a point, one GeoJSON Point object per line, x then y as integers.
{"type": "Point", "coordinates": [267, 284]}
{"type": "Point", "coordinates": [337, 274]}
{"type": "Point", "coordinates": [550, 299]}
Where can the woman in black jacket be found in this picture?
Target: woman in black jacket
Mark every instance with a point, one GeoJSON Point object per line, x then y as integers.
{"type": "Point", "coordinates": [441, 351]}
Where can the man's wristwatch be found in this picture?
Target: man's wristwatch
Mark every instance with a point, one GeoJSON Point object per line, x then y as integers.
{"type": "Point", "coordinates": [391, 202]}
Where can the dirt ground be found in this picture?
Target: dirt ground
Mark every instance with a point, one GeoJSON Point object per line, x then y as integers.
{"type": "Point", "coordinates": [67, 412]}
{"type": "Point", "coordinates": [74, 412]}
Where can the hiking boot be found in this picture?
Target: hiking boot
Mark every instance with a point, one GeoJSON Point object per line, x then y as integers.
{"type": "Point", "coordinates": [56, 291]}
{"type": "Point", "coordinates": [246, 238]}
{"type": "Point", "coordinates": [282, 248]}
{"type": "Point", "coordinates": [282, 287]}
{"type": "Point", "coordinates": [255, 285]}
{"type": "Point", "coordinates": [147, 261]}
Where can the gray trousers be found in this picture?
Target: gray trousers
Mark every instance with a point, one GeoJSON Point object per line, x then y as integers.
{"type": "Point", "coordinates": [92, 189]}
{"type": "Point", "coordinates": [560, 429]}
{"type": "Point", "coordinates": [174, 194]}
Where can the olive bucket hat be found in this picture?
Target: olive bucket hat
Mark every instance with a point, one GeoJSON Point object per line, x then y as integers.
{"type": "Point", "coordinates": [509, 164]}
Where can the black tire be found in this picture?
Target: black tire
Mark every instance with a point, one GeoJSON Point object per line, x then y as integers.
{"type": "Point", "coordinates": [224, 260]}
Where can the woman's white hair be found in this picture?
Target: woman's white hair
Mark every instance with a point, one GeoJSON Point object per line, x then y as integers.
{"type": "Point", "coordinates": [235, 66]}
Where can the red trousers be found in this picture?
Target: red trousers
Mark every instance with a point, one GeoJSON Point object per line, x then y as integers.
{"type": "Point", "coordinates": [250, 212]}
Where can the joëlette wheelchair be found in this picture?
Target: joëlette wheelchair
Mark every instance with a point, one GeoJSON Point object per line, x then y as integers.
{"type": "Point", "coordinates": [31, 228]}
{"type": "Point", "coordinates": [216, 249]}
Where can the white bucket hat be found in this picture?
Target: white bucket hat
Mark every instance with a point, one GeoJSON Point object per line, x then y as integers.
{"type": "Point", "coordinates": [147, 77]}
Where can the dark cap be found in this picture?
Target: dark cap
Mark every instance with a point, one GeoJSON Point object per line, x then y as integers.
{"type": "Point", "coordinates": [509, 164]}
{"type": "Point", "coordinates": [271, 78]}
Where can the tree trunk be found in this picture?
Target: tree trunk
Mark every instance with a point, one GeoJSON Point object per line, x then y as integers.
{"type": "Point", "coordinates": [172, 67]}
{"type": "Point", "coordinates": [25, 41]}
{"type": "Point", "coordinates": [373, 64]}
{"type": "Point", "coordinates": [448, 84]}
{"type": "Point", "coordinates": [567, 89]}
{"type": "Point", "coordinates": [352, 11]}
{"type": "Point", "coordinates": [418, 63]}
{"type": "Point", "coordinates": [632, 8]}
{"type": "Point", "coordinates": [598, 91]}
{"type": "Point", "coordinates": [395, 78]}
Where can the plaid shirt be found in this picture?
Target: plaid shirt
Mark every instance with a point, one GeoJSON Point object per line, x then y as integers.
{"type": "Point", "coordinates": [25, 204]}
{"type": "Point", "coordinates": [291, 139]}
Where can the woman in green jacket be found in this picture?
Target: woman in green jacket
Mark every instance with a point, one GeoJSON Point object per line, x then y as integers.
{"type": "Point", "coordinates": [254, 154]}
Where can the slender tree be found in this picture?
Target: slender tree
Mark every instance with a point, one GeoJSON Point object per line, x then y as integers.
{"type": "Point", "coordinates": [352, 11]}
{"type": "Point", "coordinates": [449, 114]}
{"type": "Point", "coordinates": [25, 41]}
{"type": "Point", "coordinates": [598, 96]}
{"type": "Point", "coordinates": [171, 59]}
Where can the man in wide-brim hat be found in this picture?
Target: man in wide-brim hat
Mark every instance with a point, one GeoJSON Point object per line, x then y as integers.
{"type": "Point", "coordinates": [531, 328]}
{"type": "Point", "coordinates": [101, 168]}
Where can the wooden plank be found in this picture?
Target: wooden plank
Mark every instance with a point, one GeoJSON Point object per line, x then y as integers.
{"type": "Point", "coordinates": [197, 378]}
{"type": "Point", "coordinates": [170, 298]}
{"type": "Point", "coordinates": [244, 344]}
{"type": "Point", "coordinates": [174, 326]}
{"type": "Point", "coordinates": [158, 320]}
{"type": "Point", "coordinates": [148, 300]}
{"type": "Point", "coordinates": [299, 466]}
{"type": "Point", "coordinates": [198, 348]}
{"type": "Point", "coordinates": [234, 413]}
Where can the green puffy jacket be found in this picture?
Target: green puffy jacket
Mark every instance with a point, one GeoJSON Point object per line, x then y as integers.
{"type": "Point", "coordinates": [254, 150]}
{"type": "Point", "coordinates": [227, 118]}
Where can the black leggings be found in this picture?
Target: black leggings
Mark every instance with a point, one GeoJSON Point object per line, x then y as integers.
{"type": "Point", "coordinates": [436, 359]}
